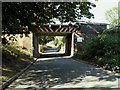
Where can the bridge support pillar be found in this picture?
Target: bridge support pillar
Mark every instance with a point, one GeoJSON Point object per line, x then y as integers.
{"type": "Point", "coordinates": [69, 45]}
{"type": "Point", "coordinates": [35, 45]}
{"type": "Point", "coordinates": [72, 44]}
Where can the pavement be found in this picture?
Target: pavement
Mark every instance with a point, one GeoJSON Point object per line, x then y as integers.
{"type": "Point", "coordinates": [64, 72]}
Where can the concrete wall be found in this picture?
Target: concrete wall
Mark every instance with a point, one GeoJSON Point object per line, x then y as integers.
{"type": "Point", "coordinates": [25, 42]}
{"type": "Point", "coordinates": [69, 50]}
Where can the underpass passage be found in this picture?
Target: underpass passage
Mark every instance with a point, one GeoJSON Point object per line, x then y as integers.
{"type": "Point", "coordinates": [53, 48]}
{"type": "Point", "coordinates": [69, 43]}
{"type": "Point", "coordinates": [64, 72]}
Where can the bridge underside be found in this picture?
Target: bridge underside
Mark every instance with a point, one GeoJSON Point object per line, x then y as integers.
{"type": "Point", "coordinates": [67, 32]}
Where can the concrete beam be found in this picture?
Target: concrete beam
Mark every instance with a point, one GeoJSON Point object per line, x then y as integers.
{"type": "Point", "coordinates": [54, 33]}
{"type": "Point", "coordinates": [72, 44]}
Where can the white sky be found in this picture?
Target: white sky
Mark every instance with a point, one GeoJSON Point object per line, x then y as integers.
{"type": "Point", "coordinates": [99, 11]}
{"type": "Point", "coordinates": [101, 7]}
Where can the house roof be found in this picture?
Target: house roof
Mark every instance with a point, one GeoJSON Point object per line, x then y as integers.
{"type": "Point", "coordinates": [92, 28]}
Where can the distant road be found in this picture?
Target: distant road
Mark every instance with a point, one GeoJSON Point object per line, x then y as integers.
{"type": "Point", "coordinates": [53, 49]}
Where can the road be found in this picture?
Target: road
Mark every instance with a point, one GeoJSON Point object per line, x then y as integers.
{"type": "Point", "coordinates": [52, 52]}
{"type": "Point", "coordinates": [64, 72]}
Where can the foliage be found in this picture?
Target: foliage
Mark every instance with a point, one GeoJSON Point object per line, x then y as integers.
{"type": "Point", "coordinates": [3, 79]}
{"type": "Point", "coordinates": [103, 50]}
{"type": "Point", "coordinates": [16, 51]}
{"type": "Point", "coordinates": [23, 17]}
{"type": "Point", "coordinates": [4, 40]}
{"type": "Point", "coordinates": [43, 48]}
{"type": "Point", "coordinates": [14, 59]}
{"type": "Point", "coordinates": [59, 41]}
{"type": "Point", "coordinates": [112, 16]}
{"type": "Point", "coordinates": [45, 39]}
{"type": "Point", "coordinates": [113, 30]}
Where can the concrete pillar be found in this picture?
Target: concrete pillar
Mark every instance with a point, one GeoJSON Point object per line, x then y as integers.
{"type": "Point", "coordinates": [72, 45]}
{"type": "Point", "coordinates": [35, 45]}
{"type": "Point", "coordinates": [69, 45]}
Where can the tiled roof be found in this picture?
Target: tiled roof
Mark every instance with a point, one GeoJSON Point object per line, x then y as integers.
{"type": "Point", "coordinates": [92, 28]}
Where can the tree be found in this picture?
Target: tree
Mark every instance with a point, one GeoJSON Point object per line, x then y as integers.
{"type": "Point", "coordinates": [24, 17]}
{"type": "Point", "coordinates": [45, 39]}
{"type": "Point", "coordinates": [112, 16]}
{"type": "Point", "coordinates": [60, 42]}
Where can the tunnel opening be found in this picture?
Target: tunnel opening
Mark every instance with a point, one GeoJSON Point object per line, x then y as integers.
{"type": "Point", "coordinates": [64, 45]}
{"type": "Point", "coordinates": [51, 45]}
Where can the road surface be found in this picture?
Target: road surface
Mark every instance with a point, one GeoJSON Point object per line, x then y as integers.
{"type": "Point", "coordinates": [65, 72]}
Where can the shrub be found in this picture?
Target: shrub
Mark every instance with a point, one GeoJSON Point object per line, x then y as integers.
{"type": "Point", "coordinates": [103, 50]}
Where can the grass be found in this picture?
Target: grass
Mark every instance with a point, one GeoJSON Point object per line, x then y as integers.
{"type": "Point", "coordinates": [14, 59]}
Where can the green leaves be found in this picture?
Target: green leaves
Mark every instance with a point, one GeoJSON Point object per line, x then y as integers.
{"type": "Point", "coordinates": [18, 15]}
{"type": "Point", "coordinates": [14, 50]}
{"type": "Point", "coordinates": [45, 39]}
{"type": "Point", "coordinates": [103, 50]}
{"type": "Point", "coordinates": [112, 16]}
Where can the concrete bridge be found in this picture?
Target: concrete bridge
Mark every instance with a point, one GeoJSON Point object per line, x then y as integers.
{"type": "Point", "coordinates": [70, 32]}
{"type": "Point", "coordinates": [86, 30]}
{"type": "Point", "coordinates": [56, 30]}
{"type": "Point", "coordinates": [63, 72]}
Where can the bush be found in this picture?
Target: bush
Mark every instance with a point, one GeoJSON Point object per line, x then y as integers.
{"type": "Point", "coordinates": [14, 50]}
{"type": "Point", "coordinates": [3, 79]}
{"type": "Point", "coordinates": [103, 50]}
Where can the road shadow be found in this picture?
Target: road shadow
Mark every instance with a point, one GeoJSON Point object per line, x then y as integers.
{"type": "Point", "coordinates": [60, 71]}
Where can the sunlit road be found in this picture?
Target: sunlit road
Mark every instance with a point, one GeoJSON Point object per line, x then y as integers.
{"type": "Point", "coordinates": [53, 49]}
{"type": "Point", "coordinates": [52, 52]}
{"type": "Point", "coordinates": [64, 72]}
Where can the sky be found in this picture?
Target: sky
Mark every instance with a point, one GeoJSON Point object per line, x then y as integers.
{"type": "Point", "coordinates": [99, 11]}
{"type": "Point", "coordinates": [101, 7]}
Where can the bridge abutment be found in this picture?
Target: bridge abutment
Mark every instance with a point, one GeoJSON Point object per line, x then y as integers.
{"type": "Point", "coordinates": [69, 50]}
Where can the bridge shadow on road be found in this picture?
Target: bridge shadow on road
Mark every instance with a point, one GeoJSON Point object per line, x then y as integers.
{"type": "Point", "coordinates": [64, 72]}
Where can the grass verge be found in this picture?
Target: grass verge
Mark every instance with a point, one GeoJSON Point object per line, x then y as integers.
{"type": "Point", "coordinates": [14, 59]}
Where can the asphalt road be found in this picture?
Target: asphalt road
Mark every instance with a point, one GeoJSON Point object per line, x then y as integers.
{"type": "Point", "coordinates": [64, 72]}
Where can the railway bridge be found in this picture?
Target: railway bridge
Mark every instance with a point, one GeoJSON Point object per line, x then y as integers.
{"type": "Point", "coordinates": [67, 31]}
